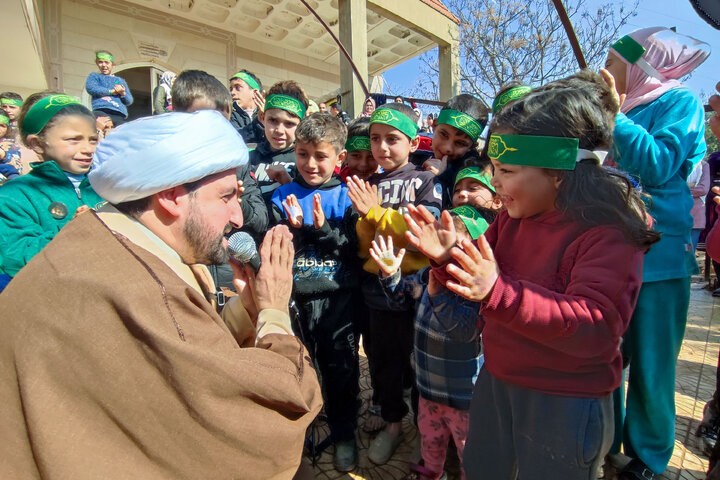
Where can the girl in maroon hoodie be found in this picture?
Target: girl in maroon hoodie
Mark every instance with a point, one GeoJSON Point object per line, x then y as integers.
{"type": "Point", "coordinates": [558, 275]}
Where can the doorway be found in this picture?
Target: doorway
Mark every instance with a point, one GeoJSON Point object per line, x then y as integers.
{"type": "Point", "coordinates": [142, 82]}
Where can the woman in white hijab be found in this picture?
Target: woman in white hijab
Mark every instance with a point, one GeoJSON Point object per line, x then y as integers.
{"type": "Point", "coordinates": [161, 95]}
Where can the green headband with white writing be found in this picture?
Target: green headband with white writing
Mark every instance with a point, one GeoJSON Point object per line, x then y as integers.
{"type": "Point", "coordinates": [287, 103]}
{"type": "Point", "coordinates": [355, 144]}
{"type": "Point", "coordinates": [105, 56]}
{"type": "Point", "coordinates": [476, 174]}
{"type": "Point", "coordinates": [10, 101]}
{"type": "Point", "coordinates": [474, 222]}
{"type": "Point", "coordinates": [247, 79]}
{"type": "Point", "coordinates": [559, 153]}
{"type": "Point", "coordinates": [508, 96]}
{"type": "Point", "coordinates": [461, 121]}
{"type": "Point", "coordinates": [395, 119]}
{"type": "Point", "coordinates": [44, 109]}
{"type": "Point", "coordinates": [630, 50]}
{"type": "Point", "coordinates": [4, 120]}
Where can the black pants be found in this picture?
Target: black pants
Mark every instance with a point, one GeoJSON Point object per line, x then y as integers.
{"type": "Point", "coordinates": [391, 342]}
{"type": "Point", "coordinates": [326, 325]}
{"type": "Point", "coordinates": [116, 118]}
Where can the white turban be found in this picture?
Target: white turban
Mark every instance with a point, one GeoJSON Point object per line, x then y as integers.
{"type": "Point", "coordinates": [152, 154]}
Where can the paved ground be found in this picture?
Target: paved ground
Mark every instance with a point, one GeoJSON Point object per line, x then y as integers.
{"type": "Point", "coordinates": [694, 386]}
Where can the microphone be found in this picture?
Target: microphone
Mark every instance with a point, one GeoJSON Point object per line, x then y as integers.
{"type": "Point", "coordinates": [241, 247]}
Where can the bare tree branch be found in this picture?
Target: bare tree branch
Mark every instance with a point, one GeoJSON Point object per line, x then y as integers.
{"type": "Point", "coordinates": [505, 40]}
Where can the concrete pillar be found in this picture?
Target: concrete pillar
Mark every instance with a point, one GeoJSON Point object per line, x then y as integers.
{"type": "Point", "coordinates": [352, 24]}
{"type": "Point", "coordinates": [449, 65]}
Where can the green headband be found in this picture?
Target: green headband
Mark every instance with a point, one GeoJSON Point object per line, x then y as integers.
{"type": "Point", "coordinates": [247, 79]}
{"type": "Point", "coordinates": [395, 119]}
{"type": "Point", "coordinates": [104, 56]}
{"type": "Point", "coordinates": [357, 143]}
{"type": "Point", "coordinates": [287, 103]}
{"type": "Point", "coordinates": [40, 114]}
{"type": "Point", "coordinates": [559, 153]}
{"type": "Point", "coordinates": [508, 96]}
{"type": "Point", "coordinates": [477, 174]}
{"type": "Point", "coordinates": [10, 101]}
{"type": "Point", "coordinates": [4, 120]}
{"type": "Point", "coordinates": [474, 222]}
{"type": "Point", "coordinates": [629, 49]}
{"type": "Point", "coordinates": [461, 121]}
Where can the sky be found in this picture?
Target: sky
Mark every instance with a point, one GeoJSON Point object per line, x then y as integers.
{"type": "Point", "coordinates": [669, 13]}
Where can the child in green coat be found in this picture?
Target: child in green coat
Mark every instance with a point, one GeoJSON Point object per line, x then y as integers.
{"type": "Point", "coordinates": [34, 207]}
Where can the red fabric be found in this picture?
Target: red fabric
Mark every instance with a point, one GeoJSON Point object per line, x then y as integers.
{"type": "Point", "coordinates": [712, 241]}
{"type": "Point", "coordinates": [564, 298]}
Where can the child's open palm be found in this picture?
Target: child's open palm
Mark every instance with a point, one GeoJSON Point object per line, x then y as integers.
{"type": "Point", "coordinates": [432, 238]}
{"type": "Point", "coordinates": [362, 195]}
{"type": "Point", "coordinates": [384, 255]}
{"type": "Point", "coordinates": [293, 211]}
{"type": "Point", "coordinates": [318, 214]}
{"type": "Point", "coordinates": [478, 270]}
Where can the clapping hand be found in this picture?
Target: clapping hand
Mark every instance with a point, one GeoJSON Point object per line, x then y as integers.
{"type": "Point", "coordinates": [477, 271]}
{"type": "Point", "coordinates": [318, 214]}
{"type": "Point", "coordinates": [384, 255]}
{"type": "Point", "coordinates": [259, 100]}
{"type": "Point", "coordinates": [432, 238]}
{"type": "Point", "coordinates": [278, 173]}
{"type": "Point", "coordinates": [293, 211]}
{"type": "Point", "coordinates": [436, 166]}
{"type": "Point", "coordinates": [363, 196]}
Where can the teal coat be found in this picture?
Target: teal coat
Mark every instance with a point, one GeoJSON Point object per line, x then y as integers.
{"type": "Point", "coordinates": [26, 221]}
{"type": "Point", "coordinates": [659, 143]}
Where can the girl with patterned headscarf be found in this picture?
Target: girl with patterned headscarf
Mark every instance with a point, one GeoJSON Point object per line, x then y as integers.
{"type": "Point", "coordinates": [162, 96]}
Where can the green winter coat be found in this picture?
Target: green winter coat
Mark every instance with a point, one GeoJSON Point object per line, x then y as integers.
{"type": "Point", "coordinates": [33, 209]}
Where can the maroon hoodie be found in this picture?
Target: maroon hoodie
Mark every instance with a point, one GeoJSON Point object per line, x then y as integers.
{"type": "Point", "coordinates": [564, 297]}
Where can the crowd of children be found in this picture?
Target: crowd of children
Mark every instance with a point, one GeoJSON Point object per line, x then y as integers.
{"type": "Point", "coordinates": [505, 288]}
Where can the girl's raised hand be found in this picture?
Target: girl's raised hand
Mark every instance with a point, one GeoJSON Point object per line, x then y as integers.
{"type": "Point", "coordinates": [384, 255]}
{"type": "Point", "coordinates": [293, 211]}
{"type": "Point", "coordinates": [478, 270]}
{"type": "Point", "coordinates": [362, 195]}
{"type": "Point", "coordinates": [610, 80]}
{"type": "Point", "coordinates": [318, 214]}
{"type": "Point", "coordinates": [432, 238]}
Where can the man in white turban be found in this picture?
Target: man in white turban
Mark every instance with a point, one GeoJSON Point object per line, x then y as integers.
{"type": "Point", "coordinates": [115, 360]}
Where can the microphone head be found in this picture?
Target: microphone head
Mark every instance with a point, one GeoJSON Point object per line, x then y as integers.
{"type": "Point", "coordinates": [242, 247]}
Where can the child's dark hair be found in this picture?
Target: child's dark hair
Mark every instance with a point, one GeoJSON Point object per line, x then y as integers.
{"type": "Point", "coordinates": [290, 88]}
{"type": "Point", "coordinates": [360, 127]}
{"type": "Point", "coordinates": [11, 96]}
{"type": "Point", "coordinates": [470, 105]}
{"type": "Point", "coordinates": [191, 85]}
{"type": "Point", "coordinates": [583, 107]}
{"type": "Point", "coordinates": [404, 109]}
{"type": "Point", "coordinates": [74, 109]}
{"type": "Point", "coordinates": [322, 127]}
{"type": "Point", "coordinates": [249, 74]}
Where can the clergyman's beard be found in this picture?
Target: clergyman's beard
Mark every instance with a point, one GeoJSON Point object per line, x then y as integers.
{"type": "Point", "coordinates": [207, 248]}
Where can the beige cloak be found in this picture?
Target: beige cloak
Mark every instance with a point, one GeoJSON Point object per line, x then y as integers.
{"type": "Point", "coordinates": [113, 365]}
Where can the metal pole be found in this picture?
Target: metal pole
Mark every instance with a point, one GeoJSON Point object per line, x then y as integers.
{"type": "Point", "coordinates": [570, 31]}
{"type": "Point", "coordinates": [341, 46]}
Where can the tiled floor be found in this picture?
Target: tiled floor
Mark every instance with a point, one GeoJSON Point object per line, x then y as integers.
{"type": "Point", "coordinates": [694, 386]}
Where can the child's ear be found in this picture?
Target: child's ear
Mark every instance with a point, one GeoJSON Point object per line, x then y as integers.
{"type": "Point", "coordinates": [261, 117]}
{"type": "Point", "coordinates": [34, 143]}
{"type": "Point", "coordinates": [341, 158]}
{"type": "Point", "coordinates": [414, 143]}
{"type": "Point", "coordinates": [496, 203]}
